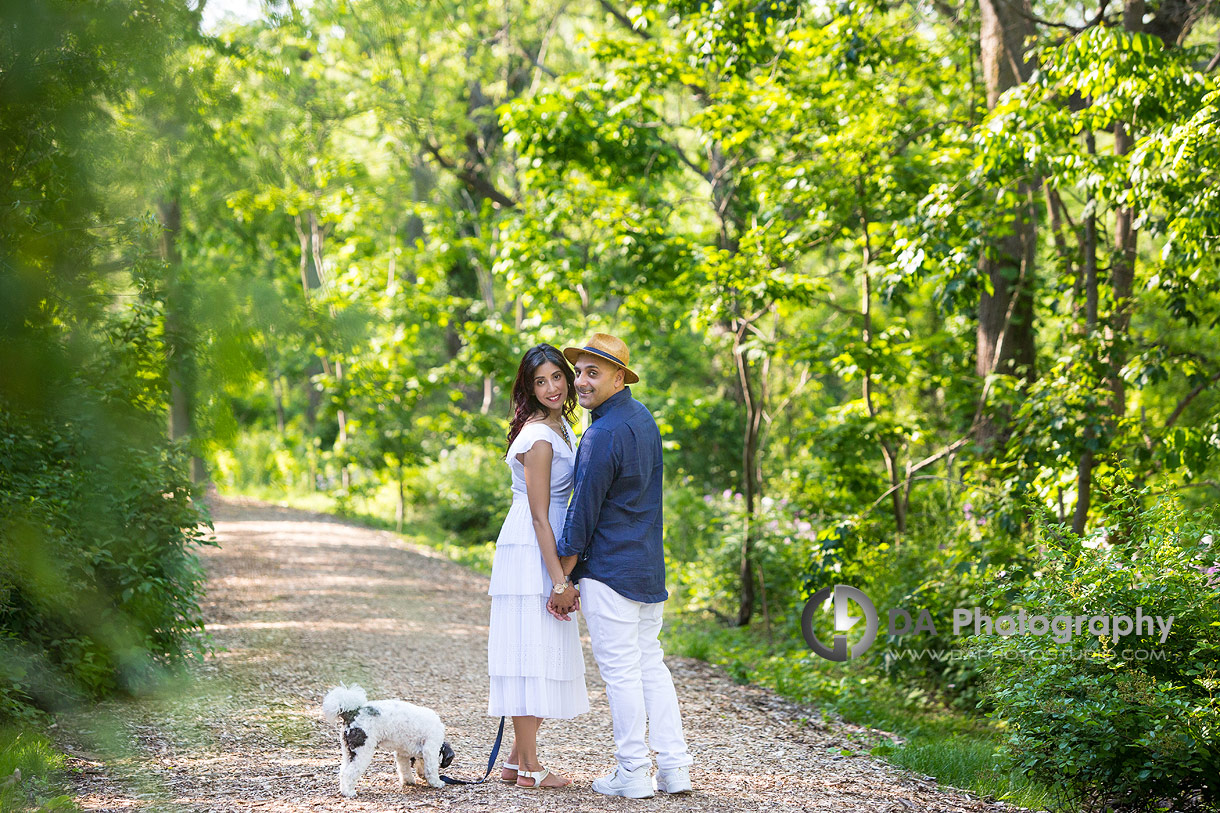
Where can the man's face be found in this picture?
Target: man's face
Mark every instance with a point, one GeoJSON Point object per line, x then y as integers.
{"type": "Point", "coordinates": [596, 380]}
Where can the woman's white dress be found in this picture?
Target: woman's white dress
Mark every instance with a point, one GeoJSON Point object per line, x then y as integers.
{"type": "Point", "coordinates": [534, 660]}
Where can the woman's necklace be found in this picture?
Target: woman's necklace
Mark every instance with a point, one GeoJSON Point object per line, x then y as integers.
{"type": "Point", "coordinates": [563, 430]}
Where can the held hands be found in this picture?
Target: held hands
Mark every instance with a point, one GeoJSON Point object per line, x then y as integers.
{"type": "Point", "coordinates": [563, 615]}
{"type": "Point", "coordinates": [561, 605]}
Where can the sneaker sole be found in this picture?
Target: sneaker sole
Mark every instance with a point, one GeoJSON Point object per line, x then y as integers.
{"type": "Point", "coordinates": [626, 793]}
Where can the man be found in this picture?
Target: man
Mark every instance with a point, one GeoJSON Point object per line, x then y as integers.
{"type": "Point", "coordinates": [611, 543]}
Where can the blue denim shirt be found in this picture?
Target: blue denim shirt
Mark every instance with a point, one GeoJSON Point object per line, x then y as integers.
{"type": "Point", "coordinates": [614, 521]}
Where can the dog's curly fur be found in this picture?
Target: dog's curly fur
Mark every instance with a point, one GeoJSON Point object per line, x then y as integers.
{"type": "Point", "coordinates": [415, 734]}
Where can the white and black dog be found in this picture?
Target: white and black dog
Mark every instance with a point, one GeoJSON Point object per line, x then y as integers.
{"type": "Point", "coordinates": [415, 734]}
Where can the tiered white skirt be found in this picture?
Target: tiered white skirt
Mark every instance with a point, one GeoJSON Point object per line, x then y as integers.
{"type": "Point", "coordinates": [534, 660]}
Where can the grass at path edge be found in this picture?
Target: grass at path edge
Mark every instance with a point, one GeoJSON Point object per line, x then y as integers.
{"type": "Point", "coordinates": [33, 772]}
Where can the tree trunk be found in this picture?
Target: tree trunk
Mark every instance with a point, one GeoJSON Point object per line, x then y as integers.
{"type": "Point", "coordinates": [1122, 281]}
{"type": "Point", "coordinates": [1005, 335]}
{"type": "Point", "coordinates": [1125, 241]}
{"type": "Point", "coordinates": [309, 281]}
{"type": "Point", "coordinates": [1084, 468]}
{"type": "Point", "coordinates": [309, 274]}
{"type": "Point", "coordinates": [749, 467]}
{"type": "Point", "coordinates": [317, 240]}
{"type": "Point", "coordinates": [728, 215]}
{"type": "Point", "coordinates": [401, 508]}
{"type": "Point", "coordinates": [178, 345]}
{"type": "Point", "coordinates": [277, 387]}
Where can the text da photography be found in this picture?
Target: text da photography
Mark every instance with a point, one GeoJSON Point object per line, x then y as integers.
{"type": "Point", "coordinates": [1061, 628]}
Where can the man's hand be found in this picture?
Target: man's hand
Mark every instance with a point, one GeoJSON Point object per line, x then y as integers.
{"type": "Point", "coordinates": [562, 604]}
{"type": "Point", "coordinates": [550, 608]}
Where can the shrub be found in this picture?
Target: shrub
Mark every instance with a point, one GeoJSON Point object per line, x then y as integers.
{"type": "Point", "coordinates": [1099, 717]}
{"type": "Point", "coordinates": [99, 583]}
{"type": "Point", "coordinates": [262, 458]}
{"type": "Point", "coordinates": [692, 521]}
{"type": "Point", "coordinates": [943, 561]}
{"type": "Point", "coordinates": [467, 491]}
{"type": "Point", "coordinates": [704, 540]}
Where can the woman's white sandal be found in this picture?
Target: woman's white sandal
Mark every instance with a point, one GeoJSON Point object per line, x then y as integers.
{"type": "Point", "coordinates": [538, 777]}
{"type": "Point", "coordinates": [508, 766]}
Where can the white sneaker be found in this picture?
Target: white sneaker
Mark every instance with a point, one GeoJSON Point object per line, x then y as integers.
{"type": "Point", "coordinates": [635, 784]}
{"type": "Point", "coordinates": [675, 780]}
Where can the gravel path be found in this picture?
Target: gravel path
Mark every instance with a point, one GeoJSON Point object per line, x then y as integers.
{"type": "Point", "coordinates": [298, 602]}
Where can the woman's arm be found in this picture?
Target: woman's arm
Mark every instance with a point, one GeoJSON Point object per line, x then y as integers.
{"type": "Point", "coordinates": [538, 489]}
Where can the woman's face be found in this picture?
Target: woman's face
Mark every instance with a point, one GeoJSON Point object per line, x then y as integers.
{"type": "Point", "coordinates": [550, 386]}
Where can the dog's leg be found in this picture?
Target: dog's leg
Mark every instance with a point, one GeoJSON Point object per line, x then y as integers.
{"type": "Point", "coordinates": [406, 771]}
{"type": "Point", "coordinates": [432, 763]}
{"type": "Point", "coordinates": [360, 749]}
{"type": "Point", "coordinates": [355, 769]}
{"type": "Point", "coordinates": [344, 759]}
{"type": "Point", "coordinates": [343, 756]}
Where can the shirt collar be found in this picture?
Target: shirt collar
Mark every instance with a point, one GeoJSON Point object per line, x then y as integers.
{"type": "Point", "coordinates": [608, 405]}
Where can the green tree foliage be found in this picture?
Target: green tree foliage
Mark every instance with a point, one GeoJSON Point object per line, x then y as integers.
{"type": "Point", "coordinates": [1126, 350]}
{"type": "Point", "coordinates": [787, 212]}
{"type": "Point", "coordinates": [98, 579]}
{"type": "Point", "coordinates": [891, 274]}
{"type": "Point", "coordinates": [769, 160]}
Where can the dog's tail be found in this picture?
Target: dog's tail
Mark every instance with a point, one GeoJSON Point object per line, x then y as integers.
{"type": "Point", "coordinates": [340, 699]}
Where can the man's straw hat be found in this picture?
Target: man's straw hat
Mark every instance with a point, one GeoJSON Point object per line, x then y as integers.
{"type": "Point", "coordinates": [608, 347]}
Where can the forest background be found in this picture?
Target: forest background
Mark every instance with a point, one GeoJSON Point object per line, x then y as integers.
{"type": "Point", "coordinates": [923, 295]}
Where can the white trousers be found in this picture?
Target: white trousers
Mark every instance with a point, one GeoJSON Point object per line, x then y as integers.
{"type": "Point", "coordinates": [638, 684]}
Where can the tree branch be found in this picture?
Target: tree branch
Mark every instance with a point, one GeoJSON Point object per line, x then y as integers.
{"type": "Point", "coordinates": [899, 485]}
{"type": "Point", "coordinates": [534, 60]}
{"type": "Point", "coordinates": [1185, 402]}
{"type": "Point", "coordinates": [1017, 9]}
{"type": "Point", "coordinates": [945, 452]}
{"type": "Point", "coordinates": [1201, 484]}
{"type": "Point", "coordinates": [623, 18]}
{"type": "Point", "coordinates": [947, 11]}
{"type": "Point", "coordinates": [473, 181]}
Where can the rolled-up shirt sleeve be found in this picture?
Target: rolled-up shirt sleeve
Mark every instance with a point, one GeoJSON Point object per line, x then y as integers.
{"type": "Point", "coordinates": [595, 472]}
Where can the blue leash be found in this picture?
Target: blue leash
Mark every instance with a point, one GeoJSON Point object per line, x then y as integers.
{"type": "Point", "coordinates": [491, 762]}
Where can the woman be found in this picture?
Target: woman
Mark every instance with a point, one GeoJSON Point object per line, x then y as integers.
{"type": "Point", "coordinates": [534, 660]}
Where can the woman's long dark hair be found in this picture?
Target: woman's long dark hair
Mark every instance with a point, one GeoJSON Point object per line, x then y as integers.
{"type": "Point", "coordinates": [525, 404]}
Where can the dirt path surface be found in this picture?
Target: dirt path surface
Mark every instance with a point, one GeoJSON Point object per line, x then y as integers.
{"type": "Point", "coordinates": [298, 602]}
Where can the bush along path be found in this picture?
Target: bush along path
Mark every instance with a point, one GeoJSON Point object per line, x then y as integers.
{"type": "Point", "coordinates": [298, 602]}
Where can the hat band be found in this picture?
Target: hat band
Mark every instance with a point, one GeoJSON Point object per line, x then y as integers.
{"type": "Point", "coordinates": [604, 355]}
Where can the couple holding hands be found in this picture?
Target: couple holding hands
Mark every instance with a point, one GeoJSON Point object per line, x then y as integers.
{"type": "Point", "coordinates": [600, 553]}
